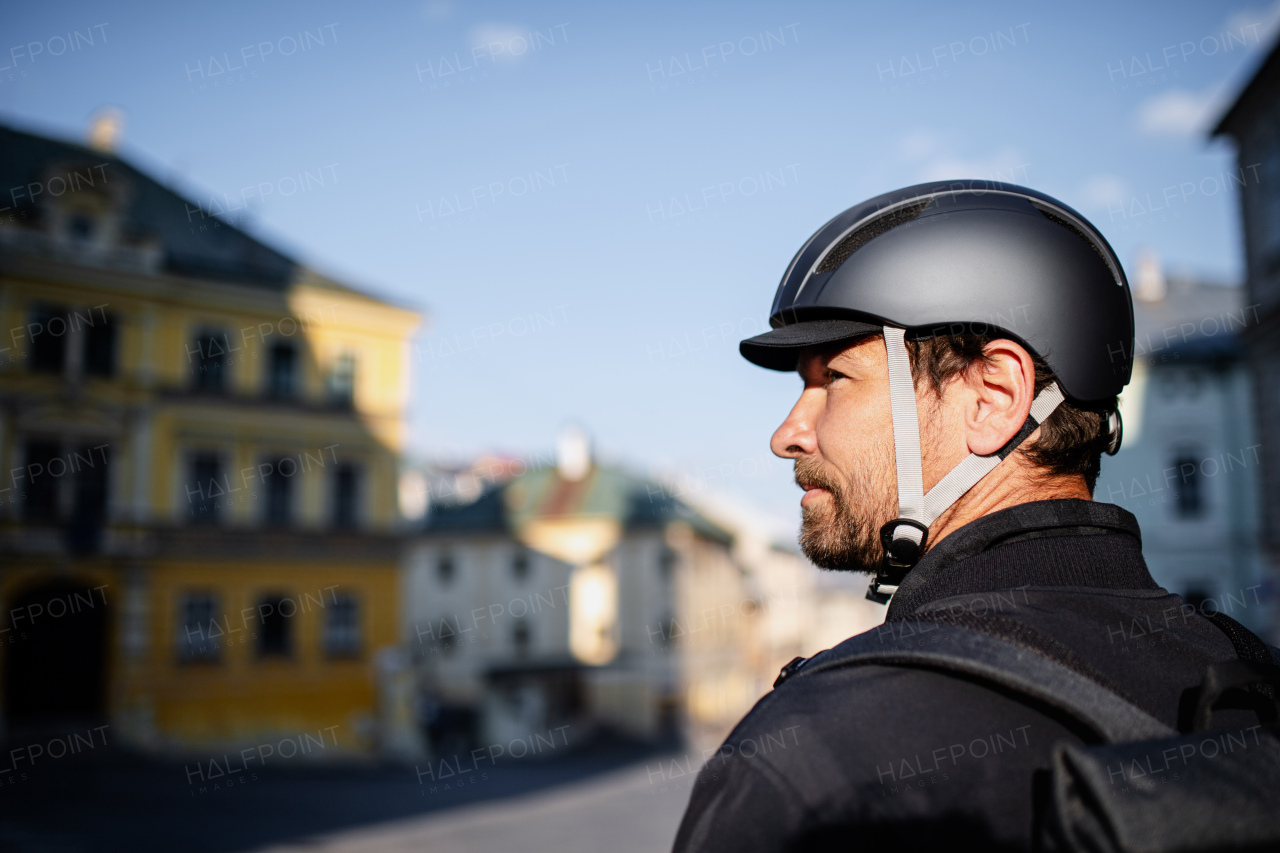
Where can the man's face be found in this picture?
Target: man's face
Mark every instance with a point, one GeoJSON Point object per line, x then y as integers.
{"type": "Point", "coordinates": [840, 434]}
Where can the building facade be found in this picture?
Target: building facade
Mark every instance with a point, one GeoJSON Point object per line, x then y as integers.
{"type": "Point", "coordinates": [576, 597]}
{"type": "Point", "coordinates": [554, 601]}
{"type": "Point", "coordinates": [1253, 123]}
{"type": "Point", "coordinates": [1190, 465]}
{"type": "Point", "coordinates": [198, 525]}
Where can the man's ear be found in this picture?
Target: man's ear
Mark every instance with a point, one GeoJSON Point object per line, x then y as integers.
{"type": "Point", "coordinates": [1002, 387]}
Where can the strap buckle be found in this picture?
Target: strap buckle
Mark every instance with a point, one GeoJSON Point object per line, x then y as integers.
{"type": "Point", "coordinates": [790, 669]}
{"type": "Point", "coordinates": [880, 593]}
{"type": "Point", "coordinates": [901, 553]}
{"type": "Point", "coordinates": [1115, 431]}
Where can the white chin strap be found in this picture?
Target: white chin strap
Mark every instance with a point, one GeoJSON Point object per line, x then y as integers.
{"type": "Point", "coordinates": [905, 537]}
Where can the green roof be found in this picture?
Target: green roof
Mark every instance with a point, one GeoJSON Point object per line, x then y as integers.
{"type": "Point", "coordinates": [605, 492]}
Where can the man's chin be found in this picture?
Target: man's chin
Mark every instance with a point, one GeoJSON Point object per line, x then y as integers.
{"type": "Point", "coordinates": [831, 564]}
{"type": "Point", "coordinates": [835, 557]}
{"type": "Point", "coordinates": [831, 539]}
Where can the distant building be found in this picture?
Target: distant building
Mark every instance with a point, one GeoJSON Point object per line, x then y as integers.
{"type": "Point", "coordinates": [199, 536]}
{"type": "Point", "coordinates": [580, 595]}
{"type": "Point", "coordinates": [806, 609]}
{"type": "Point", "coordinates": [1253, 122]}
{"type": "Point", "coordinates": [1190, 465]}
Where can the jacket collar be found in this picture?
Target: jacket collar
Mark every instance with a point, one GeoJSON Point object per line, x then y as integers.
{"type": "Point", "coordinates": [1038, 519]}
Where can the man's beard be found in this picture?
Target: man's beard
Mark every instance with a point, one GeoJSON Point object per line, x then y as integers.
{"type": "Point", "coordinates": [844, 532]}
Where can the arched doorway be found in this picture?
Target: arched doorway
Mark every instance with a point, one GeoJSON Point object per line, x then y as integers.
{"type": "Point", "coordinates": [55, 654]}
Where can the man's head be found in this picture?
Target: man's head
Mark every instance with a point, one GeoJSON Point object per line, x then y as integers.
{"type": "Point", "coordinates": [973, 393]}
{"type": "Point", "coordinates": [940, 263]}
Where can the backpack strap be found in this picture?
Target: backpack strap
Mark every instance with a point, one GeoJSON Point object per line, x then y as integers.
{"type": "Point", "coordinates": [1247, 644]}
{"type": "Point", "coordinates": [1024, 636]}
{"type": "Point", "coordinates": [991, 660]}
{"type": "Point", "coordinates": [1248, 683]}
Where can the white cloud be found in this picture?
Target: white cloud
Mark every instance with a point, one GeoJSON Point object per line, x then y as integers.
{"type": "Point", "coordinates": [1103, 190]}
{"type": "Point", "coordinates": [1006, 165]}
{"type": "Point", "coordinates": [1261, 23]}
{"type": "Point", "coordinates": [918, 144]}
{"type": "Point", "coordinates": [436, 10]}
{"type": "Point", "coordinates": [1175, 113]}
{"type": "Point", "coordinates": [935, 160]}
{"type": "Point", "coordinates": [502, 42]}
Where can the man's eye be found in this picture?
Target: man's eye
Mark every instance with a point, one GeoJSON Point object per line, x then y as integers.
{"type": "Point", "coordinates": [833, 375]}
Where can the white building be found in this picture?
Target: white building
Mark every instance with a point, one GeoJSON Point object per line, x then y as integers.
{"type": "Point", "coordinates": [580, 596]}
{"type": "Point", "coordinates": [807, 609]}
{"type": "Point", "coordinates": [1189, 467]}
{"type": "Point", "coordinates": [583, 596]}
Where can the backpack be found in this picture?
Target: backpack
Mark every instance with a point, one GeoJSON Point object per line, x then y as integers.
{"type": "Point", "coordinates": [1139, 785]}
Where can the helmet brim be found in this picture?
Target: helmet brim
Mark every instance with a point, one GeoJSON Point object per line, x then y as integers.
{"type": "Point", "coordinates": [780, 348]}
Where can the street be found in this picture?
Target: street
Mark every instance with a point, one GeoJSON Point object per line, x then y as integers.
{"type": "Point", "coordinates": [619, 797]}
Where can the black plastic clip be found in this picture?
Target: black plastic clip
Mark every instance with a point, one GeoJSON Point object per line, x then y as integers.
{"type": "Point", "coordinates": [877, 594]}
{"type": "Point", "coordinates": [902, 553]}
{"type": "Point", "coordinates": [789, 670]}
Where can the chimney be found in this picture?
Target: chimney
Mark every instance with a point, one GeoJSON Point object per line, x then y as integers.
{"type": "Point", "coordinates": [106, 129]}
{"type": "Point", "coordinates": [1151, 284]}
{"type": "Point", "coordinates": [573, 454]}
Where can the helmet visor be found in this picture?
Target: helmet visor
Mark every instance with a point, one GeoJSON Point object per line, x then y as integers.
{"type": "Point", "coordinates": [780, 348]}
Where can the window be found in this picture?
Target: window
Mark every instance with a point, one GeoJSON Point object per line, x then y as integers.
{"type": "Point", "coordinates": [342, 380]}
{"type": "Point", "coordinates": [520, 564]}
{"type": "Point", "coordinates": [89, 463]}
{"type": "Point", "coordinates": [209, 360]}
{"type": "Point", "coordinates": [282, 370]}
{"type": "Point", "coordinates": [100, 346]}
{"type": "Point", "coordinates": [1190, 494]}
{"type": "Point", "coordinates": [345, 482]}
{"type": "Point", "coordinates": [1269, 197]}
{"type": "Point", "coordinates": [666, 562]}
{"type": "Point", "coordinates": [667, 628]}
{"type": "Point", "coordinates": [204, 488]}
{"type": "Point", "coordinates": [80, 227]}
{"type": "Point", "coordinates": [445, 569]}
{"type": "Point", "coordinates": [89, 507]}
{"type": "Point", "coordinates": [450, 635]}
{"type": "Point", "coordinates": [277, 487]}
{"type": "Point", "coordinates": [198, 628]}
{"type": "Point", "coordinates": [342, 627]}
{"type": "Point", "coordinates": [43, 468]}
{"type": "Point", "coordinates": [48, 334]}
{"type": "Point", "coordinates": [520, 638]}
{"type": "Point", "coordinates": [275, 638]}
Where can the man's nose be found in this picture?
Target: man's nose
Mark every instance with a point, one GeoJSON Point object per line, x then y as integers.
{"type": "Point", "coordinates": [795, 436]}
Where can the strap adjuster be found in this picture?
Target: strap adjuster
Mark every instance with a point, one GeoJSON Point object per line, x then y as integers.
{"type": "Point", "coordinates": [790, 669]}
{"type": "Point", "coordinates": [1115, 431]}
{"type": "Point", "coordinates": [902, 551]}
{"type": "Point", "coordinates": [880, 593]}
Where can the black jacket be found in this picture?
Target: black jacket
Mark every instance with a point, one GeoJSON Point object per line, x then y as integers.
{"type": "Point", "coordinates": [870, 757]}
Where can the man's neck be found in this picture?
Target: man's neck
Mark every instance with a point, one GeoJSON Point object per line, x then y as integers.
{"type": "Point", "coordinates": [1004, 487]}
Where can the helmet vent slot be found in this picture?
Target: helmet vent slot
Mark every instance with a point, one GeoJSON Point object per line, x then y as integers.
{"type": "Point", "coordinates": [855, 241]}
{"type": "Point", "coordinates": [1074, 229]}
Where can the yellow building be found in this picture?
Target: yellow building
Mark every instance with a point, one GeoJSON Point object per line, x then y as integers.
{"type": "Point", "coordinates": [199, 532]}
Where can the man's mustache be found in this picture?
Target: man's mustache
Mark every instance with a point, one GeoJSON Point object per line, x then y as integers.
{"type": "Point", "coordinates": [809, 472]}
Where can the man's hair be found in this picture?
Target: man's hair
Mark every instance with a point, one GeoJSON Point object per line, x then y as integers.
{"type": "Point", "coordinates": [1071, 441]}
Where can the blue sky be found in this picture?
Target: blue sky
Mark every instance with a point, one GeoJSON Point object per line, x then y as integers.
{"type": "Point", "coordinates": [593, 204]}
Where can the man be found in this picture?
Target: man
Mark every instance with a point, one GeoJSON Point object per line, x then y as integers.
{"type": "Point", "coordinates": [961, 346]}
